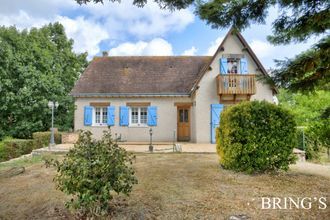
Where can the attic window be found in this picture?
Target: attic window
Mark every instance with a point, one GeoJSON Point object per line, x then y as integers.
{"type": "Point", "coordinates": [233, 65]}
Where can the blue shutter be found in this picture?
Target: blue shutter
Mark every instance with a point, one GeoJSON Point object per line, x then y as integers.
{"type": "Point", "coordinates": [111, 116]}
{"type": "Point", "coordinates": [244, 66]}
{"type": "Point", "coordinates": [124, 116]}
{"type": "Point", "coordinates": [215, 119]}
{"type": "Point", "coordinates": [223, 66]}
{"type": "Point", "coordinates": [88, 112]}
{"type": "Point", "coordinates": [152, 116]}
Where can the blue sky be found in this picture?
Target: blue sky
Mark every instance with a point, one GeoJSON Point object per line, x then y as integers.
{"type": "Point", "coordinates": [123, 29]}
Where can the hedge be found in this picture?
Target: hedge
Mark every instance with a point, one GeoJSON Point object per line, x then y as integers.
{"type": "Point", "coordinates": [12, 148]}
{"type": "Point", "coordinates": [42, 139]}
{"type": "Point", "coordinates": [256, 137]}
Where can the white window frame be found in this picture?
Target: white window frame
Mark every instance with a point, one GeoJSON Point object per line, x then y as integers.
{"type": "Point", "coordinates": [139, 124]}
{"type": "Point", "coordinates": [101, 116]}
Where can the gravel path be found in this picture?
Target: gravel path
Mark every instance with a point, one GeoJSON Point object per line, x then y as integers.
{"type": "Point", "coordinates": [312, 168]}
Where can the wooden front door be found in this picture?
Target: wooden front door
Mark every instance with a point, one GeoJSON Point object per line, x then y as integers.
{"type": "Point", "coordinates": [183, 118]}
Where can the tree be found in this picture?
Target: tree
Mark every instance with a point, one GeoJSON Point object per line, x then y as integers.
{"type": "Point", "coordinates": [319, 131]}
{"type": "Point", "coordinates": [306, 107]}
{"type": "Point", "coordinates": [308, 71]}
{"type": "Point", "coordinates": [299, 20]}
{"type": "Point", "coordinates": [313, 112]}
{"type": "Point", "coordinates": [36, 66]}
{"type": "Point", "coordinates": [165, 4]}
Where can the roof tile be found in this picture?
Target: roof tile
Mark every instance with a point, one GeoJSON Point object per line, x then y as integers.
{"type": "Point", "coordinates": [141, 74]}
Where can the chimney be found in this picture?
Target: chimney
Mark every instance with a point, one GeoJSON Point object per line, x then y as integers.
{"type": "Point", "coordinates": [105, 53]}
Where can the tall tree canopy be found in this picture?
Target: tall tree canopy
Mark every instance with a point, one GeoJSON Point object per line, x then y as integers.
{"type": "Point", "coordinates": [298, 21]}
{"type": "Point", "coordinates": [307, 108]}
{"type": "Point", "coordinates": [313, 112]}
{"type": "Point", "coordinates": [36, 66]}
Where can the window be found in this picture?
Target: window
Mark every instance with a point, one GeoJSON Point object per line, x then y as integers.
{"type": "Point", "coordinates": [100, 115]}
{"type": "Point", "coordinates": [138, 116]}
{"type": "Point", "coordinates": [143, 115]}
{"type": "Point", "coordinates": [135, 115]}
{"type": "Point", "coordinates": [183, 115]}
{"type": "Point", "coordinates": [233, 65]}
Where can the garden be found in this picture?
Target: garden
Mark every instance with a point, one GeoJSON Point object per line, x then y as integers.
{"type": "Point", "coordinates": [170, 186]}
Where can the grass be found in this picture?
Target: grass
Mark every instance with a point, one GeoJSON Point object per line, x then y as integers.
{"type": "Point", "coordinates": [22, 162]}
{"type": "Point", "coordinates": [171, 186]}
{"type": "Point", "coordinates": [28, 161]}
{"type": "Point", "coordinates": [322, 159]}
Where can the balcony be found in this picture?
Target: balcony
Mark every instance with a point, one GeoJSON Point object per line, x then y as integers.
{"type": "Point", "coordinates": [235, 87]}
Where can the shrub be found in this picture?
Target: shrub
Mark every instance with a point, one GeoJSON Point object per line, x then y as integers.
{"type": "Point", "coordinates": [92, 171]}
{"type": "Point", "coordinates": [256, 137]}
{"type": "Point", "coordinates": [12, 148]}
{"type": "Point", "coordinates": [313, 149]}
{"type": "Point", "coordinates": [42, 139]}
{"type": "Point", "coordinates": [318, 136]}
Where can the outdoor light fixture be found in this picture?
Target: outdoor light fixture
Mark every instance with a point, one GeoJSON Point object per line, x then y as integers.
{"type": "Point", "coordinates": [52, 105]}
{"type": "Point", "coordinates": [151, 148]}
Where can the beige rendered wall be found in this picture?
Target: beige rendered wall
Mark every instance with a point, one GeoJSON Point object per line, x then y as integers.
{"type": "Point", "coordinates": [206, 94]}
{"type": "Point", "coordinates": [166, 123]}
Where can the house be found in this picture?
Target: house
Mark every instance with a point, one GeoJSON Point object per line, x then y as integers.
{"type": "Point", "coordinates": [179, 97]}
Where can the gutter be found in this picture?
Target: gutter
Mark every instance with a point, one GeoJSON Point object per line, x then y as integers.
{"type": "Point", "coordinates": [85, 95]}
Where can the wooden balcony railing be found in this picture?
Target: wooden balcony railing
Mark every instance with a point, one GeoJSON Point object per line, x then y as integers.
{"type": "Point", "coordinates": [233, 84]}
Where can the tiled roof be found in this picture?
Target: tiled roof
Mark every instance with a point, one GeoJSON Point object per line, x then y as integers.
{"type": "Point", "coordinates": [140, 75]}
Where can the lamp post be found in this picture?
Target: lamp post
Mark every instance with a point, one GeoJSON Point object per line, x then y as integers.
{"type": "Point", "coordinates": [151, 148]}
{"type": "Point", "coordinates": [52, 105]}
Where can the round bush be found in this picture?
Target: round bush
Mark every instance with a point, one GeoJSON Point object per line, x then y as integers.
{"type": "Point", "coordinates": [256, 137]}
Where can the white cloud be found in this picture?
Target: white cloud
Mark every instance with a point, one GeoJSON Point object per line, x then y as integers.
{"type": "Point", "coordinates": [22, 20]}
{"type": "Point", "coordinates": [147, 22]}
{"type": "Point", "coordinates": [214, 46]}
{"type": "Point", "coordinates": [86, 33]}
{"type": "Point", "coordinates": [156, 47]}
{"type": "Point", "coordinates": [261, 48]}
{"type": "Point", "coordinates": [94, 23]}
{"type": "Point", "coordinates": [268, 53]}
{"type": "Point", "coordinates": [190, 52]}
